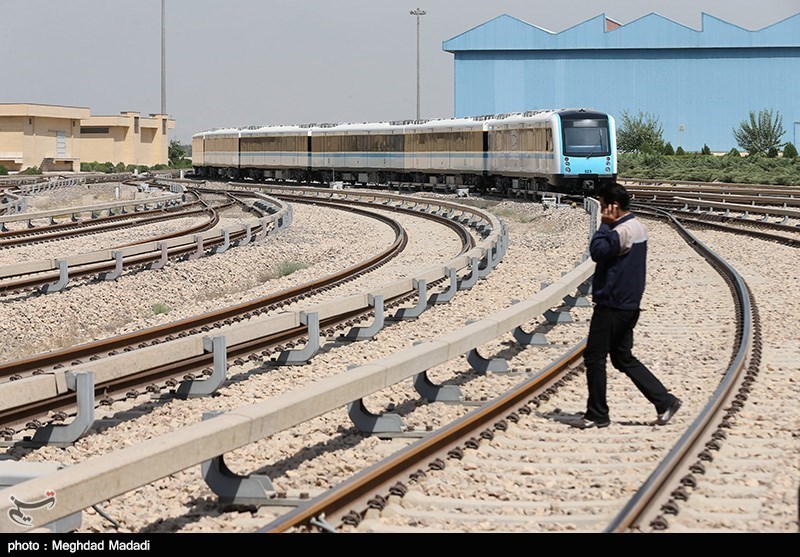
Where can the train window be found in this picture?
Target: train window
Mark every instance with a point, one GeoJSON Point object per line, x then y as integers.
{"type": "Point", "coordinates": [457, 141]}
{"type": "Point", "coordinates": [586, 137]}
{"type": "Point", "coordinates": [422, 143]}
{"type": "Point", "coordinates": [587, 123]}
{"type": "Point", "coordinates": [396, 142]}
{"type": "Point", "coordinates": [441, 142]}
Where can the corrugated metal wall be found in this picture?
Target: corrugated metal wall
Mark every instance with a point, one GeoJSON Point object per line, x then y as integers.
{"type": "Point", "coordinates": [700, 84]}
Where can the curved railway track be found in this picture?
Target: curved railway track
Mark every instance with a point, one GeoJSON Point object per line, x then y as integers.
{"type": "Point", "coordinates": [775, 211]}
{"type": "Point", "coordinates": [443, 483]}
{"type": "Point", "coordinates": [519, 467]}
{"type": "Point", "coordinates": [17, 419]}
{"type": "Point", "coordinates": [60, 231]}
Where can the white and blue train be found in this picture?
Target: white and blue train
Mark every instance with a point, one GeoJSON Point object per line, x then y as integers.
{"type": "Point", "coordinates": [567, 150]}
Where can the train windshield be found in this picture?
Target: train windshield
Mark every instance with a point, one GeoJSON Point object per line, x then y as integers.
{"type": "Point", "coordinates": [585, 137]}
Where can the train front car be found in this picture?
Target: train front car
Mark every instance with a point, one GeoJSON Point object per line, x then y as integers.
{"type": "Point", "coordinates": [586, 151]}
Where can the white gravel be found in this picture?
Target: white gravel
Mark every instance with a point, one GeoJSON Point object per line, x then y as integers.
{"type": "Point", "coordinates": [544, 244]}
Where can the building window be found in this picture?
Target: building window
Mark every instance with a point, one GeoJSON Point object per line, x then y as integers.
{"type": "Point", "coordinates": [135, 124]}
{"type": "Point", "coordinates": [91, 130]}
{"type": "Point", "coordinates": [61, 144]}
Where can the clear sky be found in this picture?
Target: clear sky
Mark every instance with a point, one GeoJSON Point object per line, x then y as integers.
{"type": "Point", "coordinates": [255, 62]}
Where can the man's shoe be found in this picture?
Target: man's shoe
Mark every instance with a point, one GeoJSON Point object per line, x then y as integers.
{"type": "Point", "coordinates": [584, 423]}
{"type": "Point", "coordinates": [666, 416]}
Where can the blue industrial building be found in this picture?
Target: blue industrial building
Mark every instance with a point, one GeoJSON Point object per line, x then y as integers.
{"type": "Point", "coordinates": [699, 84]}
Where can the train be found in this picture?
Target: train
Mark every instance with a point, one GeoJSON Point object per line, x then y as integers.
{"type": "Point", "coordinates": [571, 151]}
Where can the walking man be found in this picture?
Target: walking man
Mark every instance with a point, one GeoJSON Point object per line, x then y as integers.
{"type": "Point", "coordinates": [619, 249]}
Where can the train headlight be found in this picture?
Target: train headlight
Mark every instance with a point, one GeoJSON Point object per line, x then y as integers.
{"type": "Point", "coordinates": [567, 170]}
{"type": "Point", "coordinates": [567, 163]}
{"type": "Point", "coordinates": [608, 169]}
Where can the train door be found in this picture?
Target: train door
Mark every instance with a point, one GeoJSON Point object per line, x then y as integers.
{"type": "Point", "coordinates": [514, 148]}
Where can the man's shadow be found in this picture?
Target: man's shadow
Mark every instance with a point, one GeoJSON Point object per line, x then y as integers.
{"type": "Point", "coordinates": [568, 418]}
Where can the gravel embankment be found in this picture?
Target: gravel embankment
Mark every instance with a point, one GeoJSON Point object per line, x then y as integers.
{"type": "Point", "coordinates": [544, 244]}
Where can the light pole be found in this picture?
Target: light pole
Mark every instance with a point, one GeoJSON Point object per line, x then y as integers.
{"type": "Point", "coordinates": [417, 13]}
{"type": "Point", "coordinates": [163, 61]}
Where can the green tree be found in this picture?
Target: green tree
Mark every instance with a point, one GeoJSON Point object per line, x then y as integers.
{"type": "Point", "coordinates": [679, 151]}
{"type": "Point", "coordinates": [668, 150]}
{"type": "Point", "coordinates": [789, 151]}
{"type": "Point", "coordinates": [705, 150]}
{"type": "Point", "coordinates": [176, 152]}
{"type": "Point", "coordinates": [640, 134]}
{"type": "Point", "coordinates": [762, 131]}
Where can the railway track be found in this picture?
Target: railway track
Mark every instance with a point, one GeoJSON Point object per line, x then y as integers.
{"type": "Point", "coordinates": [482, 468]}
{"type": "Point", "coordinates": [453, 480]}
{"type": "Point", "coordinates": [166, 378]}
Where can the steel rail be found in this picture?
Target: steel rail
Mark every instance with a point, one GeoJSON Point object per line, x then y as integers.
{"type": "Point", "coordinates": [118, 219]}
{"type": "Point", "coordinates": [333, 503]}
{"type": "Point", "coordinates": [31, 282]}
{"type": "Point", "coordinates": [195, 322]}
{"type": "Point", "coordinates": [723, 224]}
{"type": "Point", "coordinates": [329, 507]}
{"type": "Point", "coordinates": [641, 509]}
{"type": "Point", "coordinates": [73, 230]}
{"type": "Point", "coordinates": [173, 370]}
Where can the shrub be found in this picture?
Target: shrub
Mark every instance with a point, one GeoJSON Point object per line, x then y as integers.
{"type": "Point", "coordinates": [159, 308]}
{"type": "Point", "coordinates": [31, 170]}
{"type": "Point", "coordinates": [772, 153]}
{"type": "Point", "coordinates": [668, 150]}
{"type": "Point", "coordinates": [510, 214]}
{"type": "Point", "coordinates": [789, 151]}
{"type": "Point", "coordinates": [288, 267]}
{"type": "Point", "coordinates": [3, 170]}
{"type": "Point", "coordinates": [734, 152]}
{"type": "Point", "coordinates": [679, 151]}
{"type": "Point", "coordinates": [705, 150]}
{"type": "Point", "coordinates": [95, 166]}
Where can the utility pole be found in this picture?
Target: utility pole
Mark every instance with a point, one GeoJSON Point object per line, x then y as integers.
{"type": "Point", "coordinates": [163, 61]}
{"type": "Point", "coordinates": [417, 13]}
